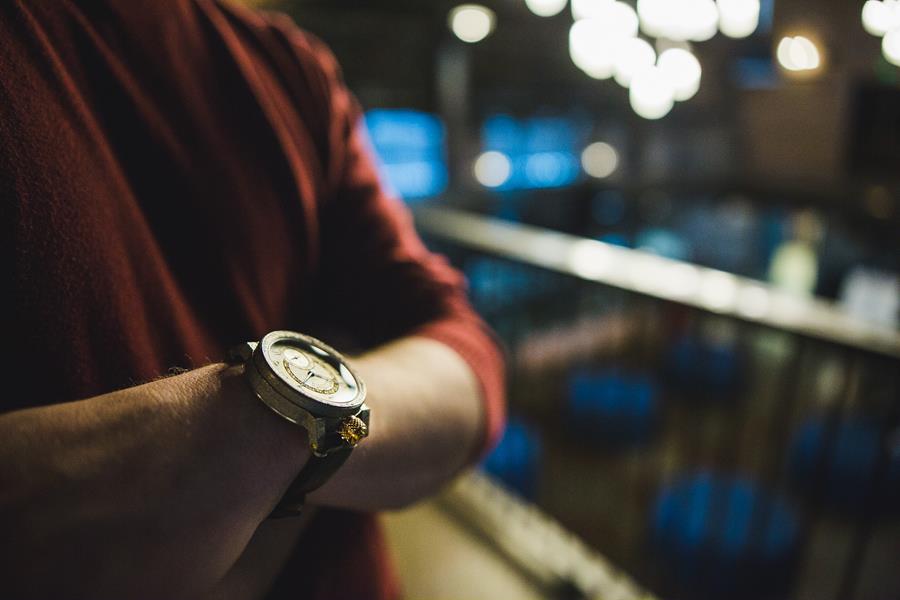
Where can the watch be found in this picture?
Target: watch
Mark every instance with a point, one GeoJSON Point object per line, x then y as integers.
{"type": "Point", "coordinates": [310, 384]}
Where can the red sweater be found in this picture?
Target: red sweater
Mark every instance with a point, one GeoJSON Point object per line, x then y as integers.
{"type": "Point", "coordinates": [178, 176]}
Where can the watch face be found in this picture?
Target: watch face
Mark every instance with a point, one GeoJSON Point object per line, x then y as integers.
{"type": "Point", "coordinates": [313, 369]}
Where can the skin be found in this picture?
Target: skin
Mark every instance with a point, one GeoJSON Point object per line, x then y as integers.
{"type": "Point", "coordinates": [162, 490]}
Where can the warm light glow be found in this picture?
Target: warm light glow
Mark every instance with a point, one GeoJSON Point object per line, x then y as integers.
{"type": "Point", "coordinates": [545, 8]}
{"type": "Point", "coordinates": [683, 70]}
{"type": "Point", "coordinates": [492, 169]}
{"type": "Point", "coordinates": [618, 17]}
{"type": "Point", "coordinates": [589, 9]}
{"type": "Point", "coordinates": [890, 47]}
{"type": "Point", "coordinates": [599, 160]}
{"type": "Point", "coordinates": [738, 18]}
{"type": "Point", "coordinates": [699, 20]}
{"type": "Point", "coordinates": [798, 54]}
{"type": "Point", "coordinates": [652, 15]}
{"type": "Point", "coordinates": [590, 50]}
{"type": "Point", "coordinates": [632, 55]}
{"type": "Point", "coordinates": [679, 20]}
{"type": "Point", "coordinates": [880, 17]}
{"type": "Point", "coordinates": [651, 95]}
{"type": "Point", "coordinates": [471, 22]}
{"type": "Point", "coordinates": [623, 19]}
{"type": "Point", "coordinates": [593, 42]}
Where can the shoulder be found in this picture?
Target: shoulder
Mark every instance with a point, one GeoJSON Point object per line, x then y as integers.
{"type": "Point", "coordinates": [276, 31]}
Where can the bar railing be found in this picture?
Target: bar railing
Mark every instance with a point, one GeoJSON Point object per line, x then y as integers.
{"type": "Point", "coordinates": [666, 397]}
{"type": "Point", "coordinates": [658, 277]}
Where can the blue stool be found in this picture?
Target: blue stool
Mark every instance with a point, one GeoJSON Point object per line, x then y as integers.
{"type": "Point", "coordinates": [723, 537]}
{"type": "Point", "coordinates": [611, 409]}
{"type": "Point", "coordinates": [516, 459]}
{"type": "Point", "coordinates": [845, 478]}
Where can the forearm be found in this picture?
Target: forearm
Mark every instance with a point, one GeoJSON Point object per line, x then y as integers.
{"type": "Point", "coordinates": [151, 491]}
{"type": "Point", "coordinates": [156, 491]}
{"type": "Point", "coordinates": [427, 422]}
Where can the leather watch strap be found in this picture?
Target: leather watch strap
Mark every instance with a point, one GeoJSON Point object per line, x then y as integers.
{"type": "Point", "coordinates": [314, 473]}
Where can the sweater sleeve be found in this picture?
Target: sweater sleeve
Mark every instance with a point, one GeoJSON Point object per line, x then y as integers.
{"type": "Point", "coordinates": [377, 277]}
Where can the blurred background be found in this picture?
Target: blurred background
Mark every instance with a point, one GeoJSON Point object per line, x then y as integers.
{"type": "Point", "coordinates": [682, 217]}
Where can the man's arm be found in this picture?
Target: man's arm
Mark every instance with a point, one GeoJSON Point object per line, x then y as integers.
{"type": "Point", "coordinates": [155, 491]}
{"type": "Point", "coordinates": [427, 426]}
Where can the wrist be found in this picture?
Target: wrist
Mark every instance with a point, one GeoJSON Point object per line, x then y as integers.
{"type": "Point", "coordinates": [278, 448]}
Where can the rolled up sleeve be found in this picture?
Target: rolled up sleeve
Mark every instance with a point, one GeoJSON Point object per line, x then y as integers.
{"type": "Point", "coordinates": [381, 281]}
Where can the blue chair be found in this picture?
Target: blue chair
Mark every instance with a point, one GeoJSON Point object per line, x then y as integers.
{"type": "Point", "coordinates": [720, 536]}
{"type": "Point", "coordinates": [844, 478]}
{"type": "Point", "coordinates": [612, 409]}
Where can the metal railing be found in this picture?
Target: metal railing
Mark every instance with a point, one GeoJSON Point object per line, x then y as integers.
{"type": "Point", "coordinates": [768, 403]}
{"type": "Point", "coordinates": [663, 278]}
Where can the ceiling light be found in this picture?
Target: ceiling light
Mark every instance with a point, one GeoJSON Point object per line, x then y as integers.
{"type": "Point", "coordinates": [471, 22]}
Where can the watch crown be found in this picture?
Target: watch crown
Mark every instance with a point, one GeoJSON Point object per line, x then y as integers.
{"type": "Point", "coordinates": [352, 429]}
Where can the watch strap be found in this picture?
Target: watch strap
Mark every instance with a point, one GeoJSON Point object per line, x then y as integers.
{"type": "Point", "coordinates": [314, 473]}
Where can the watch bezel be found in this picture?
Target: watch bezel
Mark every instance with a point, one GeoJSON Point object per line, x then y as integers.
{"type": "Point", "coordinates": [260, 359]}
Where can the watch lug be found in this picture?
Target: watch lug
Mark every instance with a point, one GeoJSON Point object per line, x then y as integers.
{"type": "Point", "coordinates": [317, 436]}
{"type": "Point", "coordinates": [242, 352]}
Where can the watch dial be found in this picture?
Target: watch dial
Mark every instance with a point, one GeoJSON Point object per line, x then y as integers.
{"type": "Point", "coordinates": [314, 372]}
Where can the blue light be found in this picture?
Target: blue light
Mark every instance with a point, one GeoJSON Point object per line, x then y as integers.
{"type": "Point", "coordinates": [663, 242]}
{"type": "Point", "coordinates": [766, 16]}
{"type": "Point", "coordinates": [405, 129]}
{"type": "Point", "coordinates": [417, 179]}
{"type": "Point", "coordinates": [550, 169]}
{"type": "Point", "coordinates": [755, 73]}
{"type": "Point", "coordinates": [411, 149]}
{"type": "Point", "coordinates": [542, 150]}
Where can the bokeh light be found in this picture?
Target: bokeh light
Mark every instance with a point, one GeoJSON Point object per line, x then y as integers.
{"type": "Point", "coordinates": [679, 20]}
{"type": "Point", "coordinates": [545, 8]}
{"type": "Point", "coordinates": [879, 17]}
{"type": "Point", "coordinates": [600, 160]}
{"type": "Point", "coordinates": [651, 94]}
{"type": "Point", "coordinates": [631, 56]}
{"type": "Point", "coordinates": [738, 18]}
{"type": "Point", "coordinates": [589, 9]}
{"type": "Point", "coordinates": [471, 22]}
{"type": "Point", "coordinates": [593, 42]}
{"type": "Point", "coordinates": [492, 169]}
{"type": "Point", "coordinates": [890, 47]}
{"type": "Point", "coordinates": [683, 70]}
{"type": "Point", "coordinates": [798, 53]}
